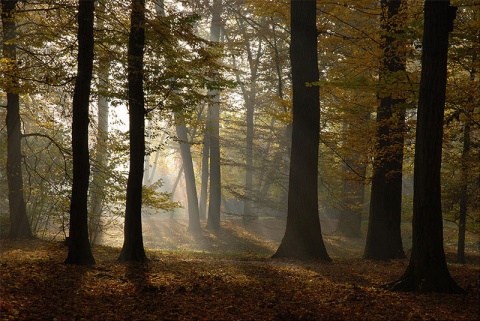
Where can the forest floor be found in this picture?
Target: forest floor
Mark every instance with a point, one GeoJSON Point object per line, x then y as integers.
{"type": "Point", "coordinates": [222, 276]}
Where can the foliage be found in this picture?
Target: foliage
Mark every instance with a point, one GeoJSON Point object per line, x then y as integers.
{"type": "Point", "coordinates": [176, 285]}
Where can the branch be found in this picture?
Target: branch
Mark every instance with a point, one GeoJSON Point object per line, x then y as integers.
{"type": "Point", "coordinates": [343, 159]}
{"type": "Point", "coordinates": [62, 150]}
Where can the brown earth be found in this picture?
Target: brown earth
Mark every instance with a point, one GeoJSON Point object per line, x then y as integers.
{"type": "Point", "coordinates": [223, 276]}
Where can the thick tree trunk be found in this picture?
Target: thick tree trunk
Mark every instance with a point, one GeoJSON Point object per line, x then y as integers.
{"type": "Point", "coordinates": [384, 240]}
{"type": "Point", "coordinates": [213, 221]}
{"type": "Point", "coordinates": [427, 270]}
{"type": "Point", "coordinates": [303, 237]}
{"type": "Point", "coordinates": [192, 199]}
{"type": "Point", "coordinates": [79, 251]}
{"type": "Point", "coordinates": [19, 224]}
{"type": "Point", "coordinates": [132, 249]}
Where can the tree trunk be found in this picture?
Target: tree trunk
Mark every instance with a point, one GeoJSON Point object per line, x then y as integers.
{"type": "Point", "coordinates": [427, 270]}
{"type": "Point", "coordinates": [248, 201]}
{"type": "Point", "coordinates": [97, 190]}
{"type": "Point", "coordinates": [384, 240]}
{"type": "Point", "coordinates": [250, 98]}
{"type": "Point", "coordinates": [132, 249]}
{"type": "Point", "coordinates": [79, 251]}
{"type": "Point", "coordinates": [193, 214]}
{"type": "Point", "coordinates": [19, 224]}
{"type": "Point", "coordinates": [303, 237]}
{"type": "Point", "coordinates": [205, 175]}
{"type": "Point", "coordinates": [213, 221]}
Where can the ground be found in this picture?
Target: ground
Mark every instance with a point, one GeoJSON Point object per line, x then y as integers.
{"type": "Point", "coordinates": [223, 276]}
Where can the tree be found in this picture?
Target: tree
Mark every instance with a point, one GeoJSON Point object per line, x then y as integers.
{"type": "Point", "coordinates": [192, 198]}
{"type": "Point", "coordinates": [132, 249]}
{"type": "Point", "coordinates": [427, 270]}
{"type": "Point", "coordinates": [97, 191]}
{"type": "Point", "coordinates": [303, 237]}
{"type": "Point", "coordinates": [79, 251]}
{"type": "Point", "coordinates": [215, 195]}
{"type": "Point", "coordinates": [19, 224]}
{"type": "Point", "coordinates": [384, 240]}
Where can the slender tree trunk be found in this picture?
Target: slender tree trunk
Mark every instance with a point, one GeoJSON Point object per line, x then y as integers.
{"type": "Point", "coordinates": [427, 270]}
{"type": "Point", "coordinates": [193, 213]}
{"type": "Point", "coordinates": [248, 202]}
{"type": "Point", "coordinates": [79, 251]}
{"type": "Point", "coordinates": [146, 165]}
{"type": "Point", "coordinates": [133, 249]}
{"type": "Point", "coordinates": [303, 237]}
{"type": "Point", "coordinates": [250, 102]}
{"type": "Point", "coordinates": [174, 188]}
{"type": "Point", "coordinates": [384, 240]}
{"type": "Point", "coordinates": [205, 175]}
{"type": "Point", "coordinates": [19, 224]}
{"type": "Point", "coordinates": [213, 221]}
{"type": "Point", "coordinates": [97, 191]}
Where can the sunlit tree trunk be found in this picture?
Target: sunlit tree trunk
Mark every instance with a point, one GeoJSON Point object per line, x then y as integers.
{"type": "Point", "coordinates": [192, 199]}
{"type": "Point", "coordinates": [19, 224]}
{"type": "Point", "coordinates": [384, 240]}
{"type": "Point", "coordinates": [215, 195]}
{"type": "Point", "coordinates": [250, 98]}
{"type": "Point", "coordinates": [97, 190]}
{"type": "Point", "coordinates": [427, 270]}
{"type": "Point", "coordinates": [79, 251]}
{"type": "Point", "coordinates": [204, 178]}
{"type": "Point", "coordinates": [250, 106]}
{"type": "Point", "coordinates": [133, 249]}
{"type": "Point", "coordinates": [303, 237]}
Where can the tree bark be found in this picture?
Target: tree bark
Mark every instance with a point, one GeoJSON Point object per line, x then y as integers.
{"type": "Point", "coordinates": [213, 220]}
{"type": "Point", "coordinates": [133, 249]}
{"type": "Point", "coordinates": [427, 270]}
{"type": "Point", "coordinates": [384, 240]}
{"type": "Point", "coordinates": [204, 178]}
{"type": "Point", "coordinates": [303, 237]}
{"type": "Point", "coordinates": [97, 191]}
{"type": "Point", "coordinates": [19, 224]}
{"type": "Point", "coordinates": [192, 199]}
{"type": "Point", "coordinates": [79, 251]}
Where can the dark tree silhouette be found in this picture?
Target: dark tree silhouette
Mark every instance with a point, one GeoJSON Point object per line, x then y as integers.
{"type": "Point", "coordinates": [79, 251]}
{"type": "Point", "coordinates": [427, 270]}
{"type": "Point", "coordinates": [303, 237]}
{"type": "Point", "coordinates": [132, 249]}
{"type": "Point", "coordinates": [384, 240]}
{"type": "Point", "coordinates": [19, 224]}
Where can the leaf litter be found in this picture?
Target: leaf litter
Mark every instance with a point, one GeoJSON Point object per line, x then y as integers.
{"type": "Point", "coordinates": [195, 285]}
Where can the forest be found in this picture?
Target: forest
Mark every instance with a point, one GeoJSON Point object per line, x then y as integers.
{"type": "Point", "coordinates": [240, 160]}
